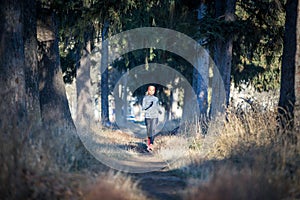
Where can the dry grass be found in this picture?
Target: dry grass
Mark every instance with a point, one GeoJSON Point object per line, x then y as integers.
{"type": "Point", "coordinates": [171, 148]}
{"type": "Point", "coordinates": [246, 156]}
{"type": "Point", "coordinates": [243, 132]}
{"type": "Point", "coordinates": [71, 185]}
{"type": "Point", "coordinates": [249, 157]}
{"type": "Point", "coordinates": [29, 170]}
{"type": "Point", "coordinates": [114, 186]}
{"type": "Point", "coordinates": [235, 184]}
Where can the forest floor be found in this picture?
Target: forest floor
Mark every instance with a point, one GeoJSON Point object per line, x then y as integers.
{"type": "Point", "coordinates": [163, 184]}
{"type": "Point", "coordinates": [151, 170]}
{"type": "Point", "coordinates": [246, 161]}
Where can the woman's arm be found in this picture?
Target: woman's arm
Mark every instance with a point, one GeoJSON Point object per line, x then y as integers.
{"type": "Point", "coordinates": [144, 104]}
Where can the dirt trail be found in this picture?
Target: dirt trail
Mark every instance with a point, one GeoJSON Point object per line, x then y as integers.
{"type": "Point", "coordinates": [154, 177]}
{"type": "Point", "coordinates": [161, 185]}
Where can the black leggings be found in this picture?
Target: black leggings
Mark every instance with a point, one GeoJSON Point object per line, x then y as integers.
{"type": "Point", "coordinates": [151, 124]}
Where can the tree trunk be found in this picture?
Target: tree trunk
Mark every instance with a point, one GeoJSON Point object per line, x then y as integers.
{"type": "Point", "coordinates": [12, 59]}
{"type": "Point", "coordinates": [104, 76]}
{"type": "Point", "coordinates": [31, 64]}
{"type": "Point", "coordinates": [223, 47]}
{"type": "Point", "coordinates": [297, 75]}
{"type": "Point", "coordinates": [13, 113]}
{"type": "Point", "coordinates": [199, 87]}
{"type": "Point", "coordinates": [62, 140]}
{"type": "Point", "coordinates": [287, 90]}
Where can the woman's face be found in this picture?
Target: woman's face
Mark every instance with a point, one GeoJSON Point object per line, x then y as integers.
{"type": "Point", "coordinates": [151, 90]}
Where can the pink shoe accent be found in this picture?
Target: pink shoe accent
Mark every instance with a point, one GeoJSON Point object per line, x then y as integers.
{"type": "Point", "coordinates": [149, 148]}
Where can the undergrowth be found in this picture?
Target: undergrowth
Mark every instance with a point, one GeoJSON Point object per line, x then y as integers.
{"type": "Point", "coordinates": [249, 156]}
{"type": "Point", "coordinates": [245, 155]}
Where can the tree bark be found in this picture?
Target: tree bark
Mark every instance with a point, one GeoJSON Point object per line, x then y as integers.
{"type": "Point", "coordinates": [297, 75]}
{"type": "Point", "coordinates": [199, 86]}
{"type": "Point", "coordinates": [12, 75]}
{"type": "Point", "coordinates": [13, 113]}
{"type": "Point", "coordinates": [31, 64]}
{"type": "Point", "coordinates": [104, 76]}
{"type": "Point", "coordinates": [223, 47]}
{"type": "Point", "coordinates": [60, 132]}
{"type": "Point", "coordinates": [287, 89]}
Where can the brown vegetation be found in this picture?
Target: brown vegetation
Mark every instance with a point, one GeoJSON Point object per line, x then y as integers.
{"type": "Point", "coordinates": [250, 157]}
{"type": "Point", "coordinates": [247, 156]}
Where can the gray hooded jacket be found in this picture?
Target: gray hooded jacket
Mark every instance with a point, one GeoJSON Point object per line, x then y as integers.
{"type": "Point", "coordinates": [150, 106]}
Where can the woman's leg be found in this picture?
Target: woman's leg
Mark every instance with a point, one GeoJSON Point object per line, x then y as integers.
{"type": "Point", "coordinates": [148, 122]}
{"type": "Point", "coordinates": [154, 122]}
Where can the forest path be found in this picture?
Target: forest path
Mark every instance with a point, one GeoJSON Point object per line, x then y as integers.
{"type": "Point", "coordinates": [161, 185]}
{"type": "Point", "coordinates": [152, 173]}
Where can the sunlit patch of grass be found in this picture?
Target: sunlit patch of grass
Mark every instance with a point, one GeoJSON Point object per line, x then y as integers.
{"type": "Point", "coordinates": [118, 145]}
{"type": "Point", "coordinates": [171, 148]}
{"type": "Point", "coordinates": [243, 132]}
